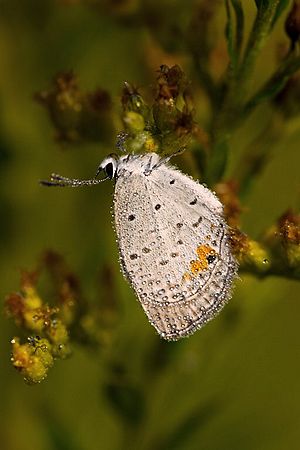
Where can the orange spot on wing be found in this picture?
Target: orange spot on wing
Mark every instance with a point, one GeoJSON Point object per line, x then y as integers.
{"type": "Point", "coordinates": [199, 264]}
{"type": "Point", "coordinates": [203, 251]}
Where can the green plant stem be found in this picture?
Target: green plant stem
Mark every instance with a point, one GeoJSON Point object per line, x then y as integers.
{"type": "Point", "coordinates": [275, 83]}
{"type": "Point", "coordinates": [229, 114]}
{"type": "Point", "coordinates": [258, 35]}
{"type": "Point", "coordinates": [239, 13]}
{"type": "Point", "coordinates": [272, 271]}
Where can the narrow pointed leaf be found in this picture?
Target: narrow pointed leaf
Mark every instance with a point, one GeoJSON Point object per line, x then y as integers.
{"type": "Point", "coordinates": [229, 34]}
{"type": "Point", "coordinates": [239, 15]}
{"type": "Point", "coordinates": [280, 8]}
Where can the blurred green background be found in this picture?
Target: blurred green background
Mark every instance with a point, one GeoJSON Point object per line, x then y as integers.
{"type": "Point", "coordinates": [234, 384]}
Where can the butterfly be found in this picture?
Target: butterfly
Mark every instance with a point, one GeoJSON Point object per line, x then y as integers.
{"type": "Point", "coordinates": [173, 241]}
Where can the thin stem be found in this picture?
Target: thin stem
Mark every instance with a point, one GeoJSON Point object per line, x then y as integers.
{"type": "Point", "coordinates": [228, 117]}
{"type": "Point", "coordinates": [275, 83]}
{"type": "Point", "coordinates": [272, 272]}
{"type": "Point", "coordinates": [258, 35]}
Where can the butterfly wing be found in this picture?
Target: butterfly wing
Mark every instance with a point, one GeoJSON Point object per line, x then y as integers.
{"type": "Point", "coordinates": [174, 248]}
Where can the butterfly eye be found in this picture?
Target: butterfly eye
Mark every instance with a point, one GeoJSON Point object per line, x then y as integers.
{"type": "Point", "coordinates": [109, 165]}
{"type": "Point", "coordinates": [110, 170]}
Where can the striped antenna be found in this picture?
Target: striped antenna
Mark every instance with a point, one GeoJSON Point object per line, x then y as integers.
{"type": "Point", "coordinates": [58, 180]}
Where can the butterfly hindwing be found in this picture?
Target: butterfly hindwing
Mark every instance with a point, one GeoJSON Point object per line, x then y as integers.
{"type": "Point", "coordinates": [174, 248]}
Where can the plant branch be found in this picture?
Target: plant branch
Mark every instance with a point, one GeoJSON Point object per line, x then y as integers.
{"type": "Point", "coordinates": [230, 112]}
{"type": "Point", "coordinates": [258, 35]}
{"type": "Point", "coordinates": [275, 83]}
{"type": "Point", "coordinates": [277, 253]}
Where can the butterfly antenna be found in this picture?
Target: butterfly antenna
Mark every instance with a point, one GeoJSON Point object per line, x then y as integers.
{"type": "Point", "coordinates": [58, 180]}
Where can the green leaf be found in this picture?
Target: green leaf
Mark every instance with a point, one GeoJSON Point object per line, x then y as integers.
{"type": "Point", "coordinates": [275, 83]}
{"type": "Point", "coordinates": [217, 162]}
{"type": "Point", "coordinates": [234, 30]}
{"type": "Point", "coordinates": [262, 4]}
{"type": "Point", "coordinates": [280, 8]}
{"type": "Point", "coordinates": [261, 29]}
{"type": "Point", "coordinates": [239, 15]}
{"type": "Point", "coordinates": [230, 36]}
